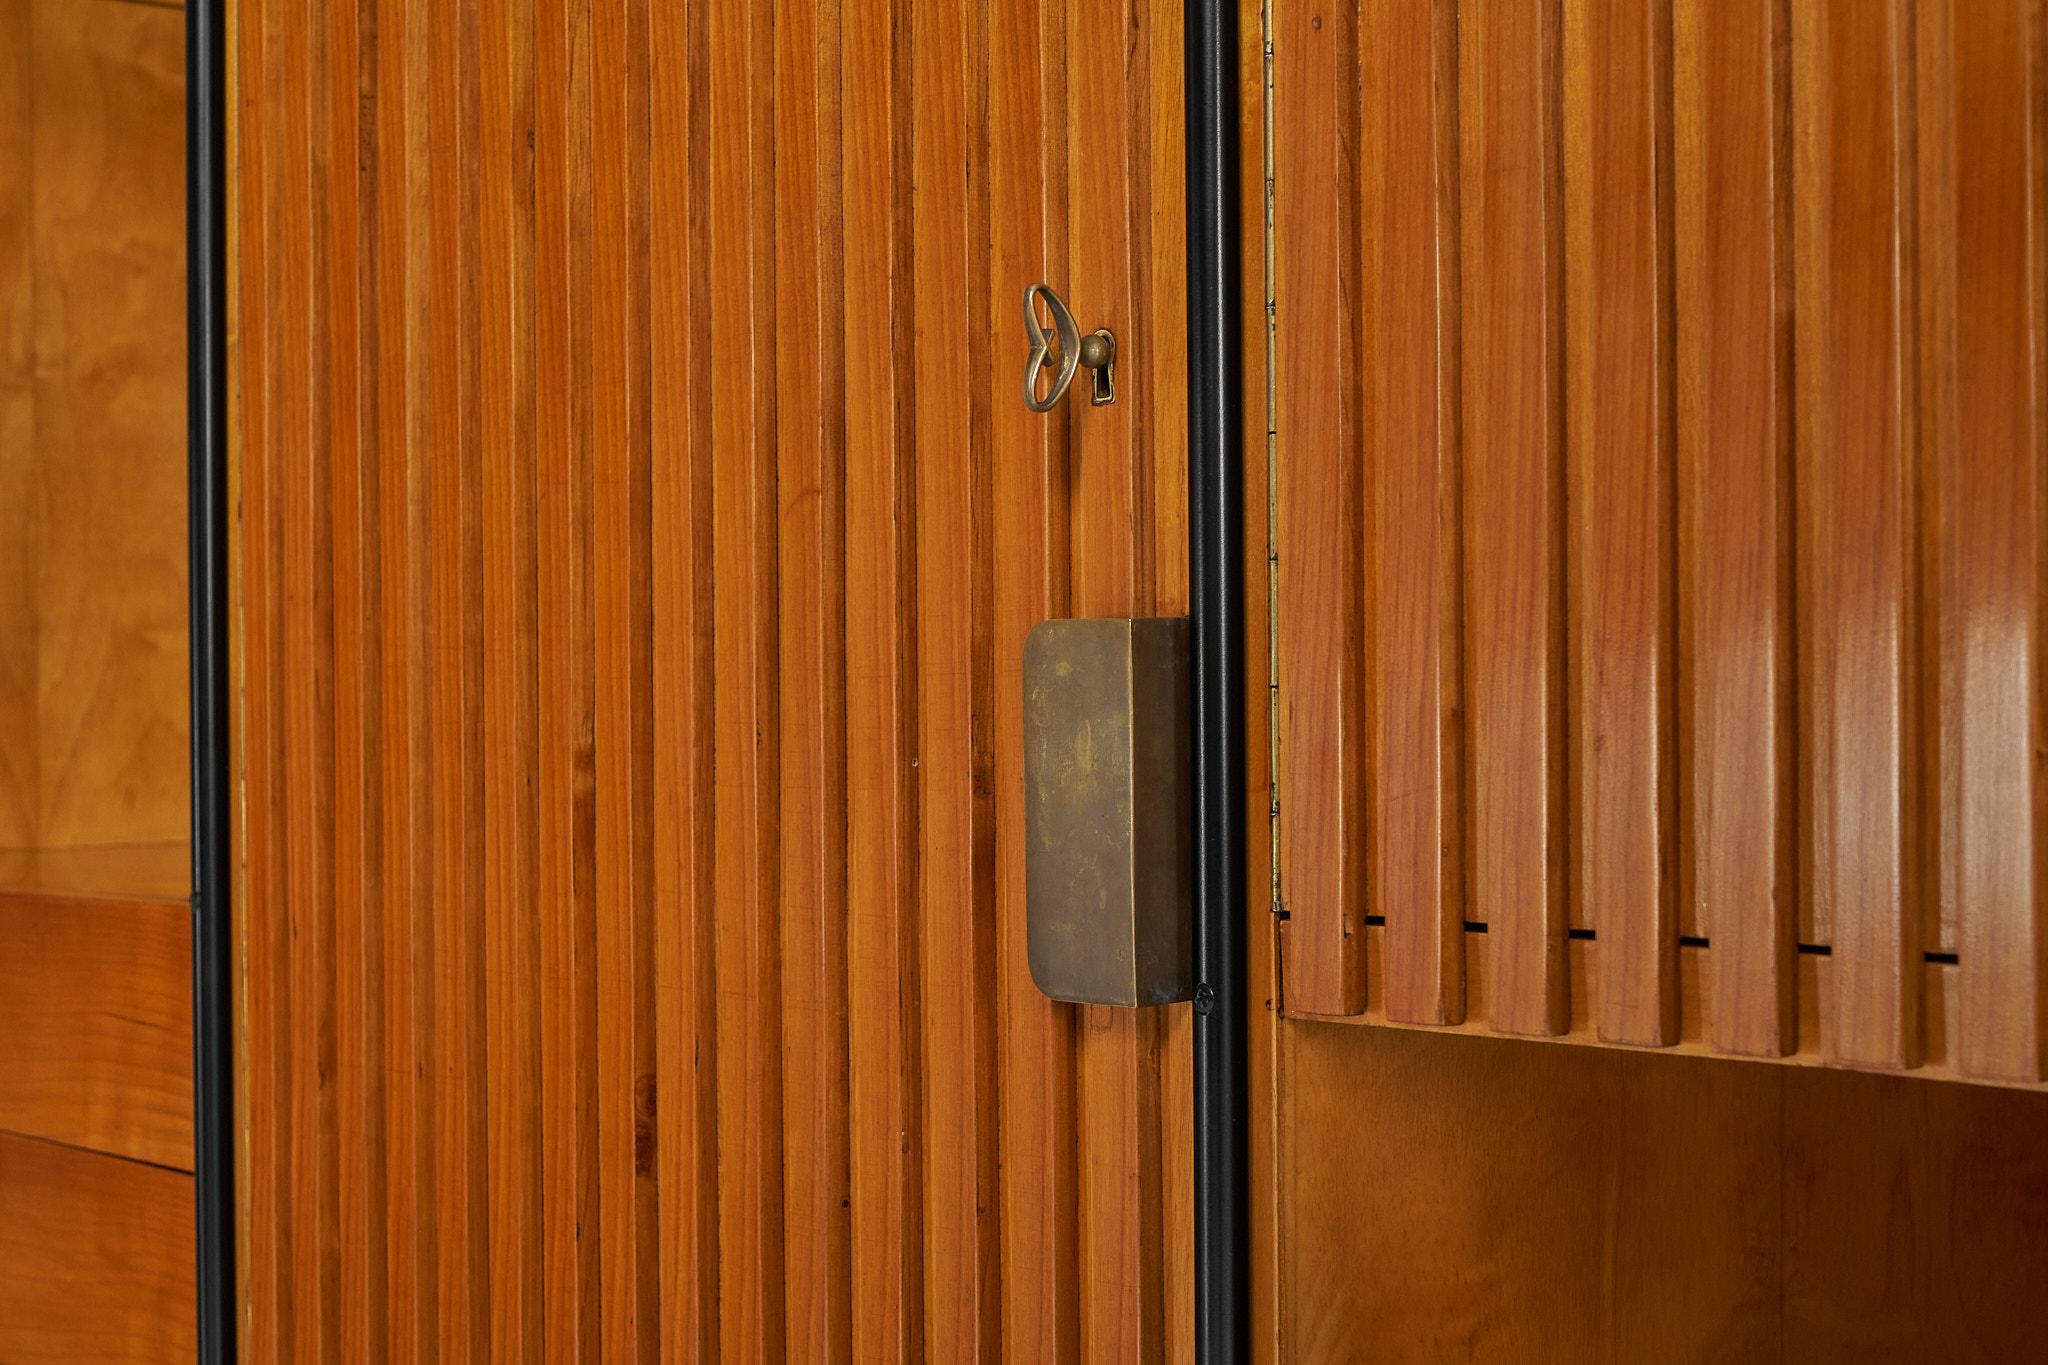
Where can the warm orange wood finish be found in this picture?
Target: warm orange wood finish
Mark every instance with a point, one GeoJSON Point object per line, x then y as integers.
{"type": "Point", "coordinates": [1511, 279]}
{"type": "Point", "coordinates": [1739, 871]}
{"type": "Point", "coordinates": [1984, 231]}
{"type": "Point", "coordinates": [97, 1017]}
{"type": "Point", "coordinates": [95, 1258]}
{"type": "Point", "coordinates": [1694, 518]}
{"type": "Point", "coordinates": [18, 666]}
{"type": "Point", "coordinates": [1316, 379]}
{"type": "Point", "coordinates": [96, 1247]}
{"type": "Point", "coordinates": [92, 411]}
{"type": "Point", "coordinates": [1623, 1206]}
{"type": "Point", "coordinates": [1414, 792]}
{"type": "Point", "coordinates": [1621, 430]}
{"type": "Point", "coordinates": [1861, 689]}
{"type": "Point", "coordinates": [640, 528]}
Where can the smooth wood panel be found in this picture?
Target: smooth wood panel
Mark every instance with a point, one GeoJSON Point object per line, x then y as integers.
{"type": "Point", "coordinates": [1739, 876]}
{"type": "Point", "coordinates": [1621, 430]}
{"type": "Point", "coordinates": [1511, 285]}
{"type": "Point", "coordinates": [1698, 520]}
{"type": "Point", "coordinates": [1321, 774]}
{"type": "Point", "coordinates": [129, 871]}
{"type": "Point", "coordinates": [1986, 438]}
{"type": "Point", "coordinates": [639, 534]}
{"type": "Point", "coordinates": [95, 1257]}
{"type": "Point", "coordinates": [1413, 683]}
{"type": "Point", "coordinates": [92, 691]}
{"type": "Point", "coordinates": [97, 1014]}
{"type": "Point", "coordinates": [110, 720]}
{"type": "Point", "coordinates": [17, 424]}
{"type": "Point", "coordinates": [1648, 1207]}
{"type": "Point", "coordinates": [1859, 714]}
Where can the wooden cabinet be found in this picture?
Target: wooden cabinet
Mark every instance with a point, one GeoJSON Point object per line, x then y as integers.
{"type": "Point", "coordinates": [637, 528]}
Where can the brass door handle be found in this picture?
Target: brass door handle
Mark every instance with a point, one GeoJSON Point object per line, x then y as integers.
{"type": "Point", "coordinates": [1057, 345]}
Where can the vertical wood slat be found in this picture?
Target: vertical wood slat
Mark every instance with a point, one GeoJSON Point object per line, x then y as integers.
{"type": "Point", "coordinates": [954, 913]}
{"type": "Point", "coordinates": [352, 499]}
{"type": "Point", "coordinates": [454, 573]}
{"type": "Point", "coordinates": [1511, 272]}
{"type": "Point", "coordinates": [1029, 481]}
{"type": "Point", "coordinates": [743, 324]}
{"type": "Point", "coordinates": [1321, 778]}
{"type": "Point", "coordinates": [266, 966]}
{"type": "Point", "coordinates": [1621, 427]}
{"type": "Point", "coordinates": [686, 1026]}
{"type": "Point", "coordinates": [1859, 704]}
{"type": "Point", "coordinates": [511, 700]}
{"type": "Point", "coordinates": [1117, 1086]}
{"type": "Point", "coordinates": [1731, 215]}
{"type": "Point", "coordinates": [562, 174]}
{"type": "Point", "coordinates": [1982, 143]}
{"type": "Point", "coordinates": [591, 749]}
{"type": "Point", "coordinates": [401, 291]}
{"type": "Point", "coordinates": [1412, 603]}
{"type": "Point", "coordinates": [885, 1138]}
{"type": "Point", "coordinates": [810, 377]}
{"type": "Point", "coordinates": [622, 640]}
{"type": "Point", "coordinates": [306, 760]}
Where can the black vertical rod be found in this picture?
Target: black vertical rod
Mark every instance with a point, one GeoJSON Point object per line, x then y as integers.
{"type": "Point", "coordinates": [206, 512]}
{"type": "Point", "coordinates": [1216, 578]}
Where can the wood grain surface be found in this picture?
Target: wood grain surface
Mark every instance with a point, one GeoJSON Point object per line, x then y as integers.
{"type": "Point", "coordinates": [1697, 506]}
{"type": "Point", "coordinates": [98, 1020]}
{"type": "Point", "coordinates": [95, 1257]}
{"type": "Point", "coordinates": [639, 533]}
{"type": "Point", "coordinates": [96, 1249]}
{"type": "Point", "coordinates": [1542, 1203]}
{"type": "Point", "coordinates": [92, 694]}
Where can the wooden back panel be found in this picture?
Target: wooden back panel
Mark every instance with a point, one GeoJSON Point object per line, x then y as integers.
{"type": "Point", "coordinates": [639, 531]}
{"type": "Point", "coordinates": [1487, 1200]}
{"type": "Point", "coordinates": [94, 736]}
{"type": "Point", "coordinates": [1662, 410]}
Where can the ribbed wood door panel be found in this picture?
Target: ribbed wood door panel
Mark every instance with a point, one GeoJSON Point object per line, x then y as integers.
{"type": "Point", "coordinates": [639, 528]}
{"type": "Point", "coordinates": [1662, 429]}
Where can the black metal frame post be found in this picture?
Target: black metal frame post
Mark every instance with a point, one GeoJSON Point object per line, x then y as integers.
{"type": "Point", "coordinates": [1216, 576]}
{"type": "Point", "coordinates": [207, 518]}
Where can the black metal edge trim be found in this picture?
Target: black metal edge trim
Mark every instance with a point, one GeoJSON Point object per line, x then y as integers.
{"type": "Point", "coordinates": [1216, 579]}
{"type": "Point", "coordinates": [213, 1077]}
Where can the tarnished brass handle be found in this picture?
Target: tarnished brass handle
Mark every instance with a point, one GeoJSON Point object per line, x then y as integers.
{"type": "Point", "coordinates": [1058, 346]}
